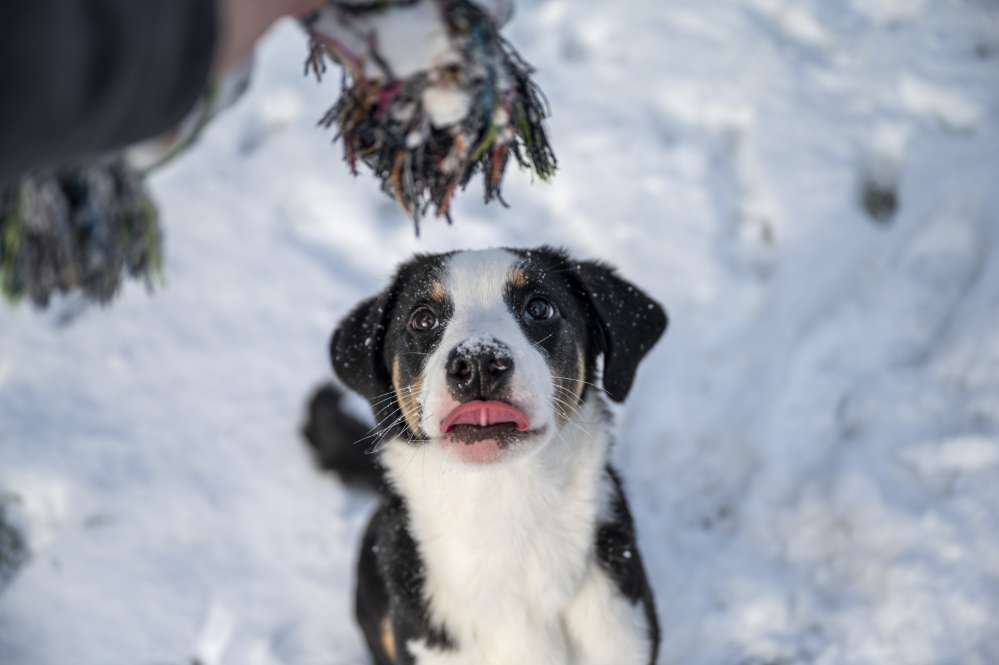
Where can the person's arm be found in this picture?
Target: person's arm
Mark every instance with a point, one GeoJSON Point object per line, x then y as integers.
{"type": "Point", "coordinates": [79, 78]}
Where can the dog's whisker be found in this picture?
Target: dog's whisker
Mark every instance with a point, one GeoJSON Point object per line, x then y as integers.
{"type": "Point", "coordinates": [576, 380]}
{"type": "Point", "coordinates": [574, 403]}
{"type": "Point", "coordinates": [542, 341]}
{"type": "Point", "coordinates": [385, 403]}
{"type": "Point", "coordinates": [380, 422]}
{"type": "Point", "coordinates": [383, 438]}
{"type": "Point", "coordinates": [401, 416]}
{"type": "Point", "coordinates": [380, 396]}
{"type": "Point", "coordinates": [393, 395]}
{"type": "Point", "coordinates": [568, 414]}
{"type": "Point", "coordinates": [570, 393]}
{"type": "Point", "coordinates": [573, 406]}
{"type": "Point", "coordinates": [380, 428]}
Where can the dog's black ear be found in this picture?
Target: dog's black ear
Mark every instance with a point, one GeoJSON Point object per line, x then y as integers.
{"type": "Point", "coordinates": [357, 348]}
{"type": "Point", "coordinates": [630, 323]}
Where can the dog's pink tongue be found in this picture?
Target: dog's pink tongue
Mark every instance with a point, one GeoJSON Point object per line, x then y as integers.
{"type": "Point", "coordinates": [482, 414]}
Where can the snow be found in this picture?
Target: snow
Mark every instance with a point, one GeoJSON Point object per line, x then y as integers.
{"type": "Point", "coordinates": [950, 108]}
{"type": "Point", "coordinates": [811, 453]}
{"type": "Point", "coordinates": [445, 105]}
{"type": "Point", "coordinates": [409, 40]}
{"type": "Point", "coordinates": [890, 10]}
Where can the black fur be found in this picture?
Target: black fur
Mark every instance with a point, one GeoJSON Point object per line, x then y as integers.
{"type": "Point", "coordinates": [617, 553]}
{"type": "Point", "coordinates": [390, 578]}
{"type": "Point", "coordinates": [336, 438]}
{"type": "Point", "coordinates": [631, 323]}
{"type": "Point", "coordinates": [372, 598]}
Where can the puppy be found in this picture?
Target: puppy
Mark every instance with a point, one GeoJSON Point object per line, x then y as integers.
{"type": "Point", "coordinates": [503, 536]}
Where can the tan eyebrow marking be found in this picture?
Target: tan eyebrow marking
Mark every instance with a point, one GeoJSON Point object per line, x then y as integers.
{"type": "Point", "coordinates": [388, 639]}
{"type": "Point", "coordinates": [406, 396]}
{"type": "Point", "coordinates": [517, 277]}
{"type": "Point", "coordinates": [437, 291]}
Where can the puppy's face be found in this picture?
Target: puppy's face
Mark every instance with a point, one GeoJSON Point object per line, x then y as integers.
{"type": "Point", "coordinates": [489, 353]}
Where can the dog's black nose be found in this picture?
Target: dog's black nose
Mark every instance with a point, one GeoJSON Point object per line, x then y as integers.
{"type": "Point", "coordinates": [479, 371]}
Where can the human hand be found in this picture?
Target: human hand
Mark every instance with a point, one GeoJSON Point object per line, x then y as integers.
{"type": "Point", "coordinates": [432, 95]}
{"type": "Point", "coordinates": [242, 22]}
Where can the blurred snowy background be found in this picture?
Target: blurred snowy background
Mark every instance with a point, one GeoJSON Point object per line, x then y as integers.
{"type": "Point", "coordinates": [812, 188]}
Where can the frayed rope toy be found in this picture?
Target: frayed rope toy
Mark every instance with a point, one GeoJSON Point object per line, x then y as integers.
{"type": "Point", "coordinates": [431, 95]}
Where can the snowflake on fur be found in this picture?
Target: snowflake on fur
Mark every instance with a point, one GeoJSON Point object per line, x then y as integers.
{"type": "Point", "coordinates": [431, 95]}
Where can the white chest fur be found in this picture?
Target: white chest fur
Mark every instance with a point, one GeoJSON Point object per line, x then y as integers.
{"type": "Point", "coordinates": [509, 554]}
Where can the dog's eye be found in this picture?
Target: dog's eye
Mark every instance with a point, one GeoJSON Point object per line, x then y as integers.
{"type": "Point", "coordinates": [539, 309]}
{"type": "Point", "coordinates": [423, 319]}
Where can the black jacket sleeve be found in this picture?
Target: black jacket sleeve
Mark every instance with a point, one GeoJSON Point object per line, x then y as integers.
{"type": "Point", "coordinates": [82, 77]}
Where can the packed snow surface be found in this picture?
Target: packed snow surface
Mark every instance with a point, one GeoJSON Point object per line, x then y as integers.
{"type": "Point", "coordinates": [812, 453]}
